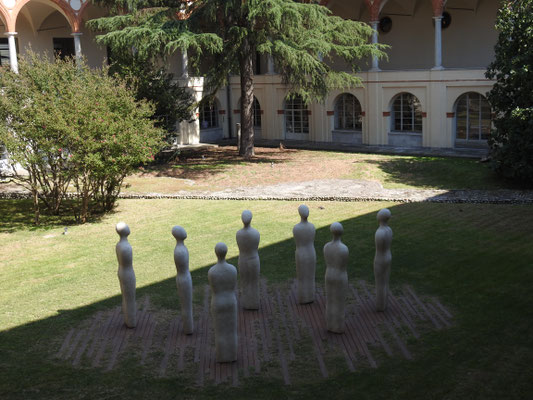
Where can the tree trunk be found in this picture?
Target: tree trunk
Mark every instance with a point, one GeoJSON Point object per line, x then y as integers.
{"type": "Point", "coordinates": [35, 196]}
{"type": "Point", "coordinates": [247, 99]}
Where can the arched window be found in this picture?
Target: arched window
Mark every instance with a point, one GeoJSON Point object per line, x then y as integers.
{"type": "Point", "coordinates": [472, 121]}
{"type": "Point", "coordinates": [296, 116]}
{"type": "Point", "coordinates": [209, 115]}
{"type": "Point", "coordinates": [347, 113]}
{"type": "Point", "coordinates": [256, 112]}
{"type": "Point", "coordinates": [406, 115]}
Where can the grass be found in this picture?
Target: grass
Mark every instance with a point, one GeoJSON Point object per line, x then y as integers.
{"type": "Point", "coordinates": [221, 168]}
{"type": "Point", "coordinates": [476, 258]}
{"type": "Point", "coordinates": [409, 172]}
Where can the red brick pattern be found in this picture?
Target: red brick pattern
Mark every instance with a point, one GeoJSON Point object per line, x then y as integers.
{"type": "Point", "coordinates": [270, 335]}
{"type": "Point", "coordinates": [438, 7]}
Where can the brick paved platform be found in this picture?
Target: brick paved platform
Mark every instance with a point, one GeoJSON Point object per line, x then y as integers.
{"type": "Point", "coordinates": [273, 337]}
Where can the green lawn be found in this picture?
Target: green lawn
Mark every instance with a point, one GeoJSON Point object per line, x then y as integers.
{"type": "Point", "coordinates": [477, 259]}
{"type": "Point", "coordinates": [411, 172]}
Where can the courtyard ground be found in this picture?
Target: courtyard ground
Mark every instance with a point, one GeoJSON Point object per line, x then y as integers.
{"type": "Point", "coordinates": [473, 259]}
{"type": "Point", "coordinates": [220, 168]}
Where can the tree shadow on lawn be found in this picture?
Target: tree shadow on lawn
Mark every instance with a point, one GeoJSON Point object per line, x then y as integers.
{"type": "Point", "coordinates": [196, 164]}
{"type": "Point", "coordinates": [440, 173]}
{"type": "Point", "coordinates": [430, 251]}
{"type": "Point", "coordinates": [18, 215]}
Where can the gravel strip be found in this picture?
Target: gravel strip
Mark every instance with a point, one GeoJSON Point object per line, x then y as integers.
{"type": "Point", "coordinates": [334, 190]}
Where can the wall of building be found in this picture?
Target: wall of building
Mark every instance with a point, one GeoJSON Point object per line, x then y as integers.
{"type": "Point", "coordinates": [408, 69]}
{"type": "Point", "coordinates": [437, 92]}
{"type": "Point", "coordinates": [470, 39]}
{"type": "Point", "coordinates": [38, 35]}
{"type": "Point", "coordinates": [411, 38]}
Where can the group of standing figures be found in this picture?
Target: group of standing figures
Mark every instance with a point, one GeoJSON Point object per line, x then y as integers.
{"type": "Point", "coordinates": [222, 276]}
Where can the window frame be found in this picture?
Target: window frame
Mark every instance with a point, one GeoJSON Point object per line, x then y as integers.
{"type": "Point", "coordinates": [211, 109]}
{"type": "Point", "coordinates": [62, 53]}
{"type": "Point", "coordinates": [482, 104]}
{"type": "Point", "coordinates": [256, 113]}
{"type": "Point", "coordinates": [411, 116]}
{"type": "Point", "coordinates": [302, 112]}
{"type": "Point", "coordinates": [4, 44]}
{"type": "Point", "coordinates": [357, 113]}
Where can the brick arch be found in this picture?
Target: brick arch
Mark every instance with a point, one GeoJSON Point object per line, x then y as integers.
{"type": "Point", "coordinates": [333, 101]}
{"type": "Point", "coordinates": [62, 6]}
{"type": "Point", "coordinates": [80, 13]}
{"type": "Point", "coordinates": [467, 91]}
{"type": "Point", "coordinates": [4, 16]}
{"type": "Point", "coordinates": [399, 93]}
{"type": "Point", "coordinates": [438, 7]}
{"type": "Point", "coordinates": [374, 8]}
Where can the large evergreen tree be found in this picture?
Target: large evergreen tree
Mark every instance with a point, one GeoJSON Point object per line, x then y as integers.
{"type": "Point", "coordinates": [301, 37]}
{"type": "Point", "coordinates": [511, 98]}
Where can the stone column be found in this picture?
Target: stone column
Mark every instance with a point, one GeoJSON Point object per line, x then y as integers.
{"type": "Point", "coordinates": [375, 64]}
{"type": "Point", "coordinates": [184, 64]}
{"type": "Point", "coordinates": [270, 65]}
{"type": "Point", "coordinates": [438, 42]}
{"type": "Point", "coordinates": [77, 46]}
{"type": "Point", "coordinates": [12, 51]}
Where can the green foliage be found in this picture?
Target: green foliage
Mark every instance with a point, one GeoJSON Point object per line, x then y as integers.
{"type": "Point", "coordinates": [173, 103]}
{"type": "Point", "coordinates": [511, 97]}
{"type": "Point", "coordinates": [300, 37]}
{"type": "Point", "coordinates": [68, 125]}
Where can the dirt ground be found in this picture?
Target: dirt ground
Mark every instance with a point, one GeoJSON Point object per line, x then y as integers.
{"type": "Point", "coordinates": [222, 167]}
{"type": "Point", "coordinates": [279, 173]}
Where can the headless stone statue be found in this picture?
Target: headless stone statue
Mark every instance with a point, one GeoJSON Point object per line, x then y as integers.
{"type": "Point", "coordinates": [304, 235]}
{"type": "Point", "coordinates": [382, 259]}
{"type": "Point", "coordinates": [336, 256]}
{"type": "Point", "coordinates": [126, 275]}
{"type": "Point", "coordinates": [222, 278]}
{"type": "Point", "coordinates": [183, 279]}
{"type": "Point", "coordinates": [249, 265]}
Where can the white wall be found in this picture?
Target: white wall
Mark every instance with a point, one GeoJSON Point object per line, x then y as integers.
{"type": "Point", "coordinates": [437, 92]}
{"type": "Point", "coordinates": [467, 43]}
{"type": "Point", "coordinates": [39, 36]}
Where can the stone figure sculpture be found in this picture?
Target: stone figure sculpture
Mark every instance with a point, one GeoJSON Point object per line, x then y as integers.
{"type": "Point", "coordinates": [336, 257]}
{"type": "Point", "coordinates": [382, 259]}
{"type": "Point", "coordinates": [183, 279]}
{"type": "Point", "coordinates": [222, 279]}
{"type": "Point", "coordinates": [304, 235]}
{"type": "Point", "coordinates": [249, 265]}
{"type": "Point", "coordinates": [126, 275]}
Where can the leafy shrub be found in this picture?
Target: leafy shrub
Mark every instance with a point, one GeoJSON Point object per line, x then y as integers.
{"type": "Point", "coordinates": [511, 98]}
{"type": "Point", "coordinates": [70, 126]}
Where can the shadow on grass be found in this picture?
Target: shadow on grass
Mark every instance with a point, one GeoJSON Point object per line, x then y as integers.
{"type": "Point", "coordinates": [18, 215]}
{"type": "Point", "coordinates": [441, 249]}
{"type": "Point", "coordinates": [440, 173]}
{"type": "Point", "coordinates": [195, 164]}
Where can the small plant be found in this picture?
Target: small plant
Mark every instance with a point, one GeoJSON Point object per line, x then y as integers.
{"type": "Point", "coordinates": [68, 125]}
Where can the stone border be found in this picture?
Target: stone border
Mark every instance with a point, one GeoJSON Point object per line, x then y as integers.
{"type": "Point", "coordinates": [460, 196]}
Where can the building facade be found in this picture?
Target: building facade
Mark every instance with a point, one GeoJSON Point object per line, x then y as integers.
{"type": "Point", "coordinates": [429, 92]}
